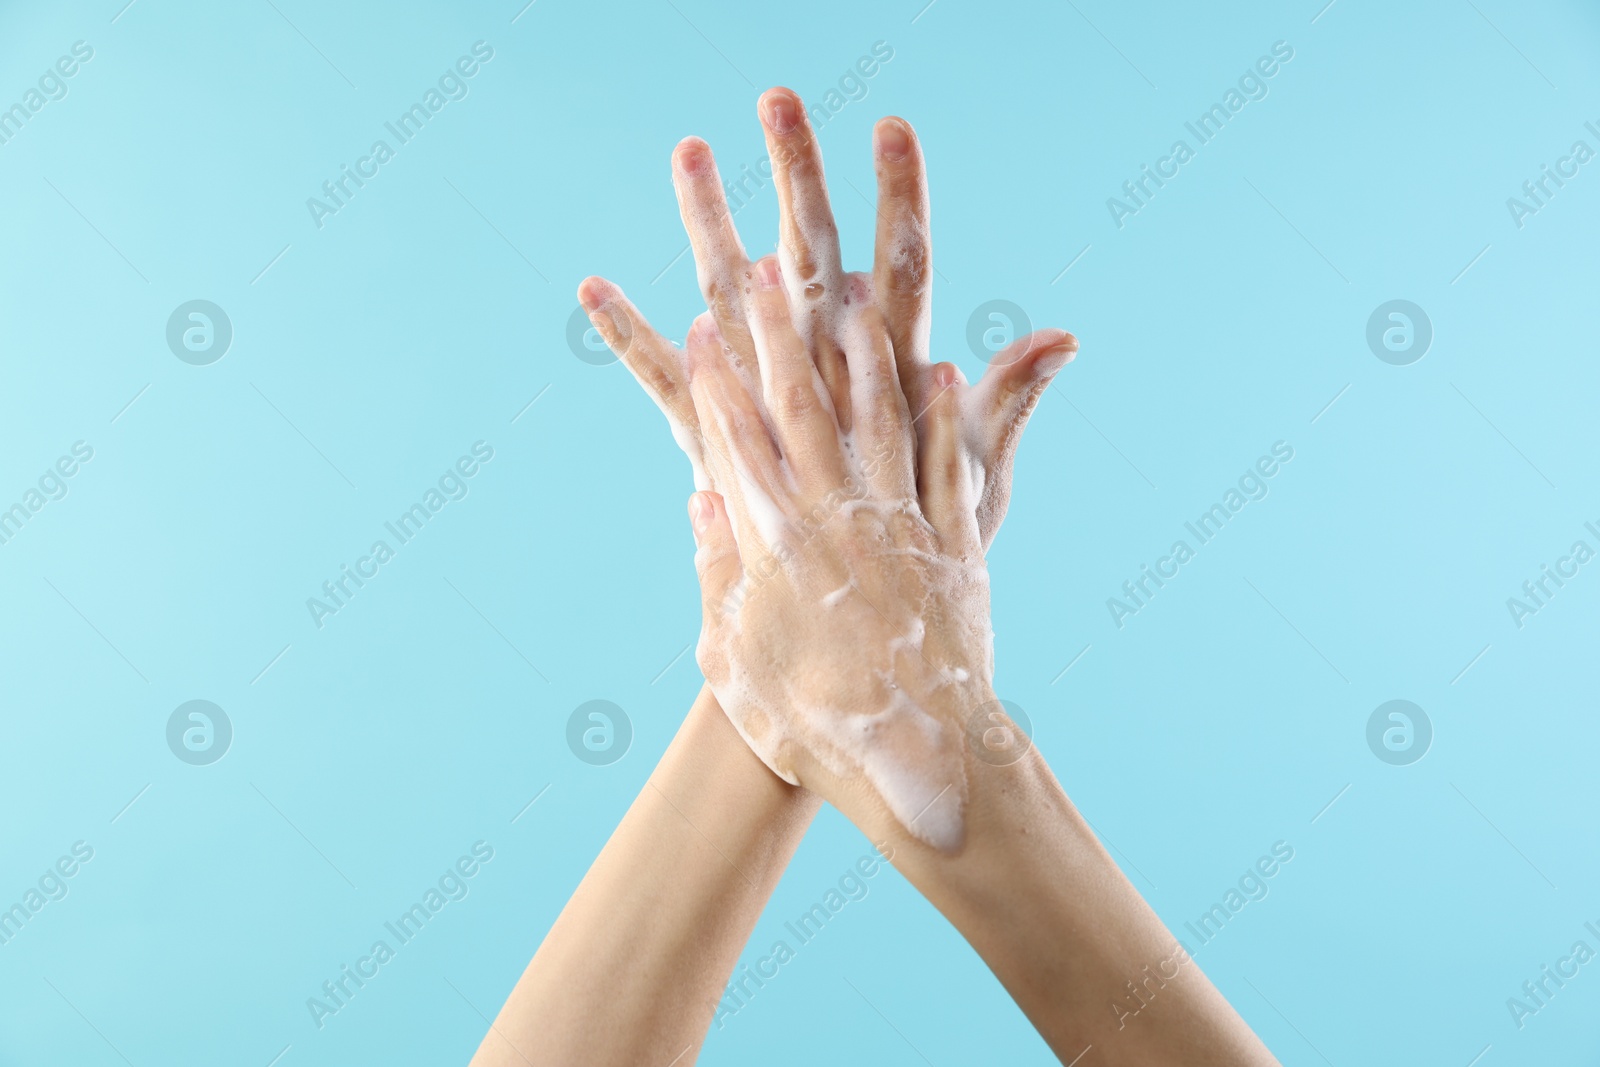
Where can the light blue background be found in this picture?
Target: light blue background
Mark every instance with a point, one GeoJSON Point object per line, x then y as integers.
{"type": "Point", "coordinates": [426, 315]}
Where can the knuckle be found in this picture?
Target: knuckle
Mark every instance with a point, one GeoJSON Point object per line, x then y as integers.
{"type": "Point", "coordinates": [910, 274]}
{"type": "Point", "coordinates": [720, 297]}
{"type": "Point", "coordinates": [794, 401]}
{"type": "Point", "coordinates": [805, 259]}
{"type": "Point", "coordinates": [663, 382]}
{"type": "Point", "coordinates": [879, 422]}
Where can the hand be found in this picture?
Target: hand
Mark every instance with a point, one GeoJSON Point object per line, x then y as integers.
{"type": "Point", "coordinates": [993, 413]}
{"type": "Point", "coordinates": [845, 598]}
{"type": "Point", "coordinates": [846, 602]}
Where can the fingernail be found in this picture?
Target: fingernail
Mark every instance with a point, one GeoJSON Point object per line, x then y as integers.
{"type": "Point", "coordinates": [701, 512]}
{"type": "Point", "coordinates": [944, 375]}
{"type": "Point", "coordinates": [589, 295]}
{"type": "Point", "coordinates": [767, 272]}
{"type": "Point", "coordinates": [1053, 359]}
{"type": "Point", "coordinates": [780, 113]}
{"type": "Point", "coordinates": [694, 157]}
{"type": "Point", "coordinates": [893, 141]}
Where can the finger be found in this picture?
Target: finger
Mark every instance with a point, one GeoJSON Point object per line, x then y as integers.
{"type": "Point", "coordinates": [739, 449]}
{"type": "Point", "coordinates": [902, 266]}
{"type": "Point", "coordinates": [1006, 395]}
{"type": "Point", "coordinates": [945, 474]}
{"type": "Point", "coordinates": [808, 238]}
{"type": "Point", "coordinates": [832, 362]}
{"type": "Point", "coordinates": [720, 263]}
{"type": "Point", "coordinates": [796, 399]}
{"type": "Point", "coordinates": [885, 450]}
{"type": "Point", "coordinates": [716, 557]}
{"type": "Point", "coordinates": [656, 362]}
{"type": "Point", "coordinates": [1001, 404]}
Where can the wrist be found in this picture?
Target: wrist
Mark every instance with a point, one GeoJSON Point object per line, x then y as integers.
{"type": "Point", "coordinates": [955, 754]}
{"type": "Point", "coordinates": [724, 791]}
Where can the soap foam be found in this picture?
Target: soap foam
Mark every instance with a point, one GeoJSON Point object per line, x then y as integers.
{"type": "Point", "coordinates": [907, 781]}
{"type": "Point", "coordinates": [913, 759]}
{"type": "Point", "coordinates": [764, 513]}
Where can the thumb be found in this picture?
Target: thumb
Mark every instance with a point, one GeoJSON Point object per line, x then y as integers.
{"type": "Point", "coordinates": [1012, 385]}
{"type": "Point", "coordinates": [716, 557]}
{"type": "Point", "coordinates": [1004, 399]}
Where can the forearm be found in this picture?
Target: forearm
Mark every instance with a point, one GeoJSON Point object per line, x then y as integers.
{"type": "Point", "coordinates": [632, 969]}
{"type": "Point", "coordinates": [1075, 945]}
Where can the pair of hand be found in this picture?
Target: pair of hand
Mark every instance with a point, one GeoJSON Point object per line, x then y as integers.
{"type": "Point", "coordinates": [849, 487]}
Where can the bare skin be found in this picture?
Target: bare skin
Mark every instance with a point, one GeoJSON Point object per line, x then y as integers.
{"type": "Point", "coordinates": [845, 604]}
{"type": "Point", "coordinates": [811, 657]}
{"type": "Point", "coordinates": [631, 970]}
{"type": "Point", "coordinates": [995, 410]}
